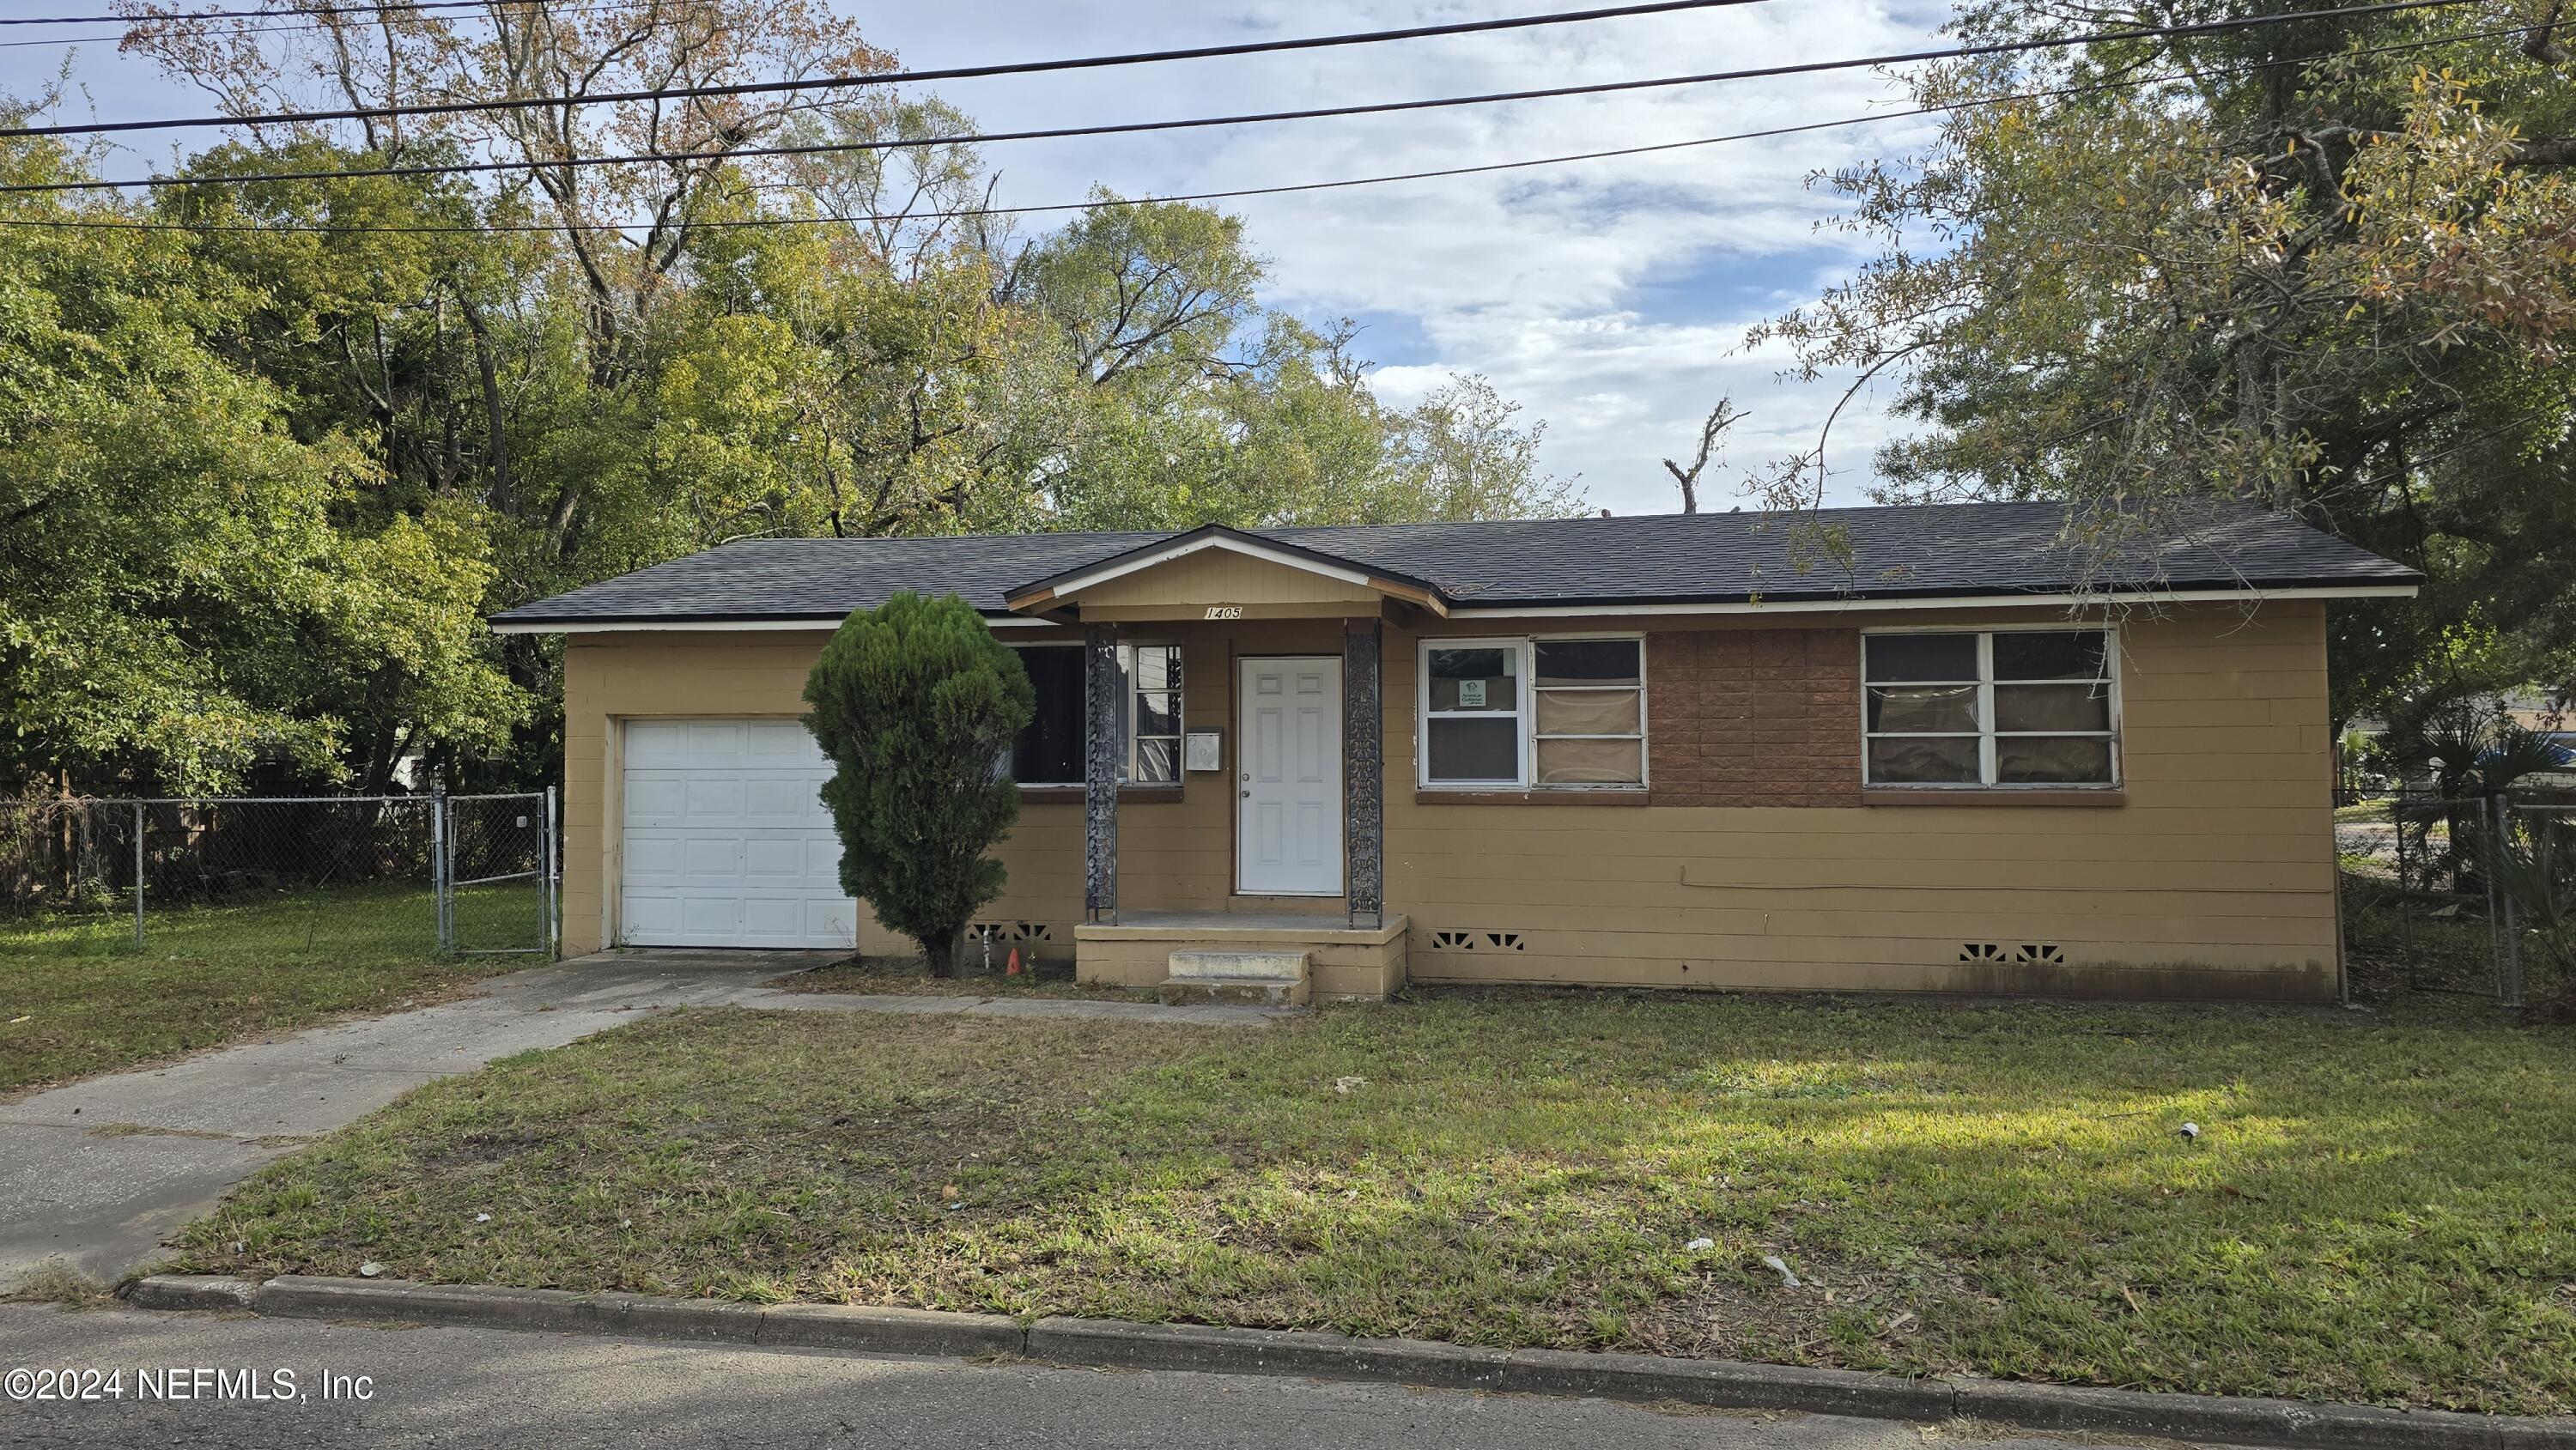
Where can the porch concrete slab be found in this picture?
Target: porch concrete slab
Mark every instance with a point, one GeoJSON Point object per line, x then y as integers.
{"type": "Point", "coordinates": [1247, 926]}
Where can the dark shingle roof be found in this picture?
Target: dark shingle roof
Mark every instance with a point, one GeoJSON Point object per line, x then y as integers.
{"type": "Point", "coordinates": [1930, 551]}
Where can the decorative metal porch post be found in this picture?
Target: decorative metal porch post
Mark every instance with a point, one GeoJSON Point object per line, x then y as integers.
{"type": "Point", "coordinates": [1364, 772]}
{"type": "Point", "coordinates": [1104, 746]}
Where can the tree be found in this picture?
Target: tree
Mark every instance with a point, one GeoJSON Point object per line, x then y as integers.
{"type": "Point", "coordinates": [2324, 266]}
{"type": "Point", "coordinates": [193, 581]}
{"type": "Point", "coordinates": [1720, 418]}
{"type": "Point", "coordinates": [915, 703]}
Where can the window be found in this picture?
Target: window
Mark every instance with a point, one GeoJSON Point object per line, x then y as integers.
{"type": "Point", "coordinates": [1556, 713]}
{"type": "Point", "coordinates": [1049, 751]}
{"type": "Point", "coordinates": [1153, 712]}
{"type": "Point", "coordinates": [1591, 723]}
{"type": "Point", "coordinates": [2003, 707]}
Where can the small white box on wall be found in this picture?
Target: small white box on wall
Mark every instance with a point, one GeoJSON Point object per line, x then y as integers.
{"type": "Point", "coordinates": [1203, 749]}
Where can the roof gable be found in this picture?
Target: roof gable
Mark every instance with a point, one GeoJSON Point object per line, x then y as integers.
{"type": "Point", "coordinates": [1213, 565]}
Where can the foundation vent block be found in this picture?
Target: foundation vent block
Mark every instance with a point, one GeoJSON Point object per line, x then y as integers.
{"type": "Point", "coordinates": [1479, 941]}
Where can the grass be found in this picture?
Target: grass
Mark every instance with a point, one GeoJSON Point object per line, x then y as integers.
{"type": "Point", "coordinates": [2378, 1208]}
{"type": "Point", "coordinates": [78, 997]}
{"type": "Point", "coordinates": [55, 1282]}
{"type": "Point", "coordinates": [910, 977]}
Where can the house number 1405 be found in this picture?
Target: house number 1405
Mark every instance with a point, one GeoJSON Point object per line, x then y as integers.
{"type": "Point", "coordinates": [1225, 611]}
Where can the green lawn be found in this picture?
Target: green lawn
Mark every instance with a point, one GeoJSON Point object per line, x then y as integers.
{"type": "Point", "coordinates": [2378, 1209]}
{"type": "Point", "coordinates": [78, 997]}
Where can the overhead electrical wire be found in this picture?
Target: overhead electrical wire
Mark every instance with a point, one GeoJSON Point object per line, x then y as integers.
{"type": "Point", "coordinates": [147, 17]}
{"type": "Point", "coordinates": [969, 213]}
{"type": "Point", "coordinates": [836, 82]}
{"type": "Point", "coordinates": [130, 21]}
{"type": "Point", "coordinates": [464, 168]}
{"type": "Point", "coordinates": [888, 78]}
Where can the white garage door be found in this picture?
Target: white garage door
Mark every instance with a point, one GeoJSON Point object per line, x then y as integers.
{"type": "Point", "coordinates": [726, 843]}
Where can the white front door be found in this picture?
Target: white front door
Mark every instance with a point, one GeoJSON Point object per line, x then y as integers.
{"type": "Point", "coordinates": [1288, 832]}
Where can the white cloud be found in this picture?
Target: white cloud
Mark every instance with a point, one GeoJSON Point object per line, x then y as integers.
{"type": "Point", "coordinates": [1604, 295]}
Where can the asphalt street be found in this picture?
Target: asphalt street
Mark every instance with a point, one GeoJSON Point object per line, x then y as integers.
{"type": "Point", "coordinates": [470, 1387]}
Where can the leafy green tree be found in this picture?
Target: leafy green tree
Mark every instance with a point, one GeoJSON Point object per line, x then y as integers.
{"type": "Point", "coordinates": [2324, 266]}
{"type": "Point", "coordinates": [191, 585]}
{"type": "Point", "coordinates": [916, 704]}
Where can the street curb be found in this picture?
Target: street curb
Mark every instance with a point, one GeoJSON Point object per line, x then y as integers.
{"type": "Point", "coordinates": [1719, 1384]}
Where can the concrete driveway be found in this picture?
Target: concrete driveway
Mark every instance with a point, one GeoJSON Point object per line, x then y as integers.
{"type": "Point", "coordinates": [96, 1174]}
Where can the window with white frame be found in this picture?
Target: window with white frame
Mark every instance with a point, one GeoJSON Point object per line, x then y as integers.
{"type": "Point", "coordinates": [1049, 751]}
{"type": "Point", "coordinates": [1550, 713]}
{"type": "Point", "coordinates": [2034, 707]}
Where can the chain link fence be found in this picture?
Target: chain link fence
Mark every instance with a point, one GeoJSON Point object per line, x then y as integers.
{"type": "Point", "coordinates": [2470, 894]}
{"type": "Point", "coordinates": [311, 873]}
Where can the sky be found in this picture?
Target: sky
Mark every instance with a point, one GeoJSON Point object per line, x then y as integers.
{"type": "Point", "coordinates": [1609, 298]}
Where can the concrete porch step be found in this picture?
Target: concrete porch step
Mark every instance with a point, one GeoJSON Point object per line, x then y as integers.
{"type": "Point", "coordinates": [1256, 965]}
{"type": "Point", "coordinates": [1271, 978]}
{"type": "Point", "coordinates": [1257, 991]}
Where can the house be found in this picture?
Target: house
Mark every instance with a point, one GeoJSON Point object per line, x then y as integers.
{"type": "Point", "coordinates": [1639, 751]}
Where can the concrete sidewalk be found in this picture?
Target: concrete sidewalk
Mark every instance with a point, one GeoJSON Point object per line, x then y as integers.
{"type": "Point", "coordinates": [98, 1172]}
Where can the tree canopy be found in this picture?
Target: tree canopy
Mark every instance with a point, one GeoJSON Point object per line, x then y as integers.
{"type": "Point", "coordinates": [265, 465]}
{"type": "Point", "coordinates": [2329, 267]}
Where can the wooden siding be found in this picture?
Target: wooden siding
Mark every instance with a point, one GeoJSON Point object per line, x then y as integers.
{"type": "Point", "coordinates": [2214, 877]}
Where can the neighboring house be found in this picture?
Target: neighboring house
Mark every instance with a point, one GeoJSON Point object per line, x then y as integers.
{"type": "Point", "coordinates": [1614, 751]}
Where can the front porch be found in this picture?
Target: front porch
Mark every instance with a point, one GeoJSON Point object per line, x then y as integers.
{"type": "Point", "coordinates": [1342, 962]}
{"type": "Point", "coordinates": [1272, 741]}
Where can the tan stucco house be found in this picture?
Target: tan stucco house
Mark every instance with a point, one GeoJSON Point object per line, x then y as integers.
{"type": "Point", "coordinates": [1646, 751]}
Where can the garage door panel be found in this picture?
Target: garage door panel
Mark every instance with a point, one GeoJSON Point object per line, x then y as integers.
{"type": "Point", "coordinates": [714, 798]}
{"type": "Point", "coordinates": [774, 860]}
{"type": "Point", "coordinates": [715, 740]}
{"type": "Point", "coordinates": [652, 858]}
{"type": "Point", "coordinates": [725, 840]}
{"type": "Point", "coordinates": [823, 858]}
{"type": "Point", "coordinates": [777, 740]}
{"type": "Point", "coordinates": [710, 860]}
{"type": "Point", "coordinates": [658, 797]}
{"type": "Point", "coordinates": [788, 801]}
{"type": "Point", "coordinates": [773, 918]}
{"type": "Point", "coordinates": [711, 916]}
{"type": "Point", "coordinates": [651, 915]}
{"type": "Point", "coordinates": [655, 741]}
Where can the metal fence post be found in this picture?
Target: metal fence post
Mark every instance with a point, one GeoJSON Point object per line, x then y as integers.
{"type": "Point", "coordinates": [438, 864]}
{"type": "Point", "coordinates": [138, 875]}
{"type": "Point", "coordinates": [2509, 968]}
{"type": "Point", "coordinates": [553, 885]}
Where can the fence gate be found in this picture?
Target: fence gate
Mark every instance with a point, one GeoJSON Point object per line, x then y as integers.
{"type": "Point", "coordinates": [496, 873]}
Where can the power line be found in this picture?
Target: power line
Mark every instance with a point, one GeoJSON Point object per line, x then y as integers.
{"type": "Point", "coordinates": [465, 168]}
{"type": "Point", "coordinates": [147, 18]}
{"type": "Point", "coordinates": [840, 82]}
{"type": "Point", "coordinates": [968, 213]}
{"type": "Point", "coordinates": [744, 88]}
{"type": "Point", "coordinates": [551, 9]}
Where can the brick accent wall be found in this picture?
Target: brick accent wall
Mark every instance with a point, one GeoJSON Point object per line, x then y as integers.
{"type": "Point", "coordinates": [1754, 717]}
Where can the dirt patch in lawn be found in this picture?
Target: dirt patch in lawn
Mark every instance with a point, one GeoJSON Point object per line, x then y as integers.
{"type": "Point", "coordinates": [910, 977]}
